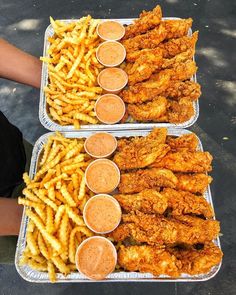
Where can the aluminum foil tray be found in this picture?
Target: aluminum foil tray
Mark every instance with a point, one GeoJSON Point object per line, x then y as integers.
{"type": "Point", "coordinates": [49, 124]}
{"type": "Point", "coordinates": [41, 277]}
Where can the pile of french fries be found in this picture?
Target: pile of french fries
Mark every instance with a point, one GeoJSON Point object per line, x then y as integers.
{"type": "Point", "coordinates": [55, 198]}
{"type": "Point", "coordinates": [72, 88]}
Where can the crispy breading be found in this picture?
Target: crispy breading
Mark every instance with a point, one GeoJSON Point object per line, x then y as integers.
{"type": "Point", "coordinates": [137, 181]}
{"type": "Point", "coordinates": [182, 202]}
{"type": "Point", "coordinates": [176, 28]}
{"type": "Point", "coordinates": [147, 20]}
{"type": "Point", "coordinates": [147, 201]}
{"type": "Point", "coordinates": [154, 110]}
{"type": "Point", "coordinates": [184, 142]}
{"type": "Point", "coordinates": [153, 229]}
{"type": "Point", "coordinates": [177, 59]}
{"type": "Point", "coordinates": [144, 67]}
{"type": "Point", "coordinates": [187, 89]}
{"type": "Point", "coordinates": [185, 161]}
{"type": "Point", "coordinates": [149, 40]}
{"type": "Point", "coordinates": [146, 91]}
{"type": "Point", "coordinates": [155, 260]}
{"type": "Point", "coordinates": [194, 183]}
{"type": "Point", "coordinates": [180, 111]}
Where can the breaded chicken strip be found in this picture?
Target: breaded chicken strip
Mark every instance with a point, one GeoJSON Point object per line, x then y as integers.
{"type": "Point", "coordinates": [176, 28]}
{"type": "Point", "coordinates": [147, 201]}
{"type": "Point", "coordinates": [155, 260]}
{"type": "Point", "coordinates": [200, 261]}
{"type": "Point", "coordinates": [137, 181]}
{"type": "Point", "coordinates": [154, 229]}
{"type": "Point", "coordinates": [155, 110]}
{"type": "Point", "coordinates": [147, 20]}
{"type": "Point", "coordinates": [169, 48]}
{"type": "Point", "coordinates": [180, 111]}
{"type": "Point", "coordinates": [184, 142]}
{"type": "Point", "coordinates": [185, 161]}
{"type": "Point", "coordinates": [187, 89]}
{"type": "Point", "coordinates": [169, 261]}
{"type": "Point", "coordinates": [149, 40]}
{"type": "Point", "coordinates": [148, 90]}
{"type": "Point", "coordinates": [182, 202]}
{"type": "Point", "coordinates": [179, 58]}
{"type": "Point", "coordinates": [195, 183]}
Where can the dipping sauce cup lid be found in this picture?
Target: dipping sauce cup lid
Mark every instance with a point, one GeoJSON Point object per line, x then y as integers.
{"type": "Point", "coordinates": [110, 30]}
{"type": "Point", "coordinates": [102, 176]}
{"type": "Point", "coordinates": [100, 145]}
{"type": "Point", "coordinates": [96, 258]}
{"type": "Point", "coordinates": [102, 213]}
{"type": "Point", "coordinates": [109, 108]}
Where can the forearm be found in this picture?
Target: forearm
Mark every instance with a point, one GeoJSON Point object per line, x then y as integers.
{"type": "Point", "coordinates": [19, 66]}
{"type": "Point", "coordinates": [10, 217]}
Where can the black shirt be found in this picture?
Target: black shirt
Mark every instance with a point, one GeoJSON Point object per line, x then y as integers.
{"type": "Point", "coordinates": [12, 156]}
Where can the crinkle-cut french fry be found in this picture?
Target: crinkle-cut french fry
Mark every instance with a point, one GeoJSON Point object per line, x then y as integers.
{"type": "Point", "coordinates": [72, 267]}
{"type": "Point", "coordinates": [76, 62]}
{"type": "Point", "coordinates": [51, 272]}
{"type": "Point", "coordinates": [43, 247]}
{"type": "Point", "coordinates": [33, 185]}
{"type": "Point", "coordinates": [37, 266]}
{"type": "Point", "coordinates": [52, 193]}
{"type": "Point", "coordinates": [74, 166]}
{"type": "Point", "coordinates": [38, 258]}
{"type": "Point", "coordinates": [41, 213]}
{"type": "Point", "coordinates": [58, 216]}
{"type": "Point", "coordinates": [46, 200]}
{"type": "Point", "coordinates": [82, 204]}
{"type": "Point", "coordinates": [29, 203]}
{"type": "Point", "coordinates": [48, 166]}
{"type": "Point", "coordinates": [39, 224]}
{"type": "Point", "coordinates": [47, 147]}
{"type": "Point", "coordinates": [55, 180]}
{"type": "Point", "coordinates": [75, 151]}
{"type": "Point", "coordinates": [59, 263]}
{"type": "Point", "coordinates": [75, 180]}
{"type": "Point", "coordinates": [24, 259]}
{"type": "Point", "coordinates": [75, 217]}
{"type": "Point", "coordinates": [49, 221]}
{"type": "Point", "coordinates": [26, 178]}
{"type": "Point", "coordinates": [47, 177]}
{"type": "Point", "coordinates": [63, 235]}
{"type": "Point", "coordinates": [82, 189]}
{"type": "Point", "coordinates": [86, 118]}
{"type": "Point", "coordinates": [54, 151]}
{"type": "Point", "coordinates": [30, 226]}
{"type": "Point", "coordinates": [60, 197]}
{"type": "Point", "coordinates": [32, 244]}
{"type": "Point", "coordinates": [69, 199]}
{"type": "Point", "coordinates": [31, 196]}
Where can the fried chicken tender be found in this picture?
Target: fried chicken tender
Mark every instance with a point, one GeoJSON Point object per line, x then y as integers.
{"type": "Point", "coordinates": [147, 20]}
{"type": "Point", "coordinates": [173, 47]}
{"type": "Point", "coordinates": [180, 111]}
{"type": "Point", "coordinates": [155, 260]}
{"type": "Point", "coordinates": [176, 28]}
{"type": "Point", "coordinates": [137, 181]}
{"type": "Point", "coordinates": [146, 91]}
{"type": "Point", "coordinates": [187, 142]}
{"type": "Point", "coordinates": [147, 201]}
{"type": "Point", "coordinates": [195, 183]}
{"type": "Point", "coordinates": [186, 161]}
{"type": "Point", "coordinates": [140, 152]}
{"type": "Point", "coordinates": [179, 58]}
{"type": "Point", "coordinates": [169, 48]}
{"type": "Point", "coordinates": [182, 202]}
{"type": "Point", "coordinates": [144, 67]}
{"type": "Point", "coordinates": [200, 261]}
{"type": "Point", "coordinates": [188, 89]}
{"type": "Point", "coordinates": [153, 229]}
{"type": "Point", "coordinates": [154, 110]}
{"type": "Point", "coordinates": [169, 261]}
{"type": "Point", "coordinates": [149, 40]}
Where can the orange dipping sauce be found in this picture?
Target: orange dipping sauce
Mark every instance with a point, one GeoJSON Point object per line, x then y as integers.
{"type": "Point", "coordinates": [102, 214]}
{"type": "Point", "coordinates": [112, 79]}
{"type": "Point", "coordinates": [111, 53]}
{"type": "Point", "coordinates": [110, 30]}
{"type": "Point", "coordinates": [110, 108]}
{"type": "Point", "coordinates": [96, 258]}
{"type": "Point", "coordinates": [102, 176]}
{"type": "Point", "coordinates": [100, 145]}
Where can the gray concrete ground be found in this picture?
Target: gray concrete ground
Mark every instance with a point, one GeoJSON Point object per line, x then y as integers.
{"type": "Point", "coordinates": [23, 23]}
